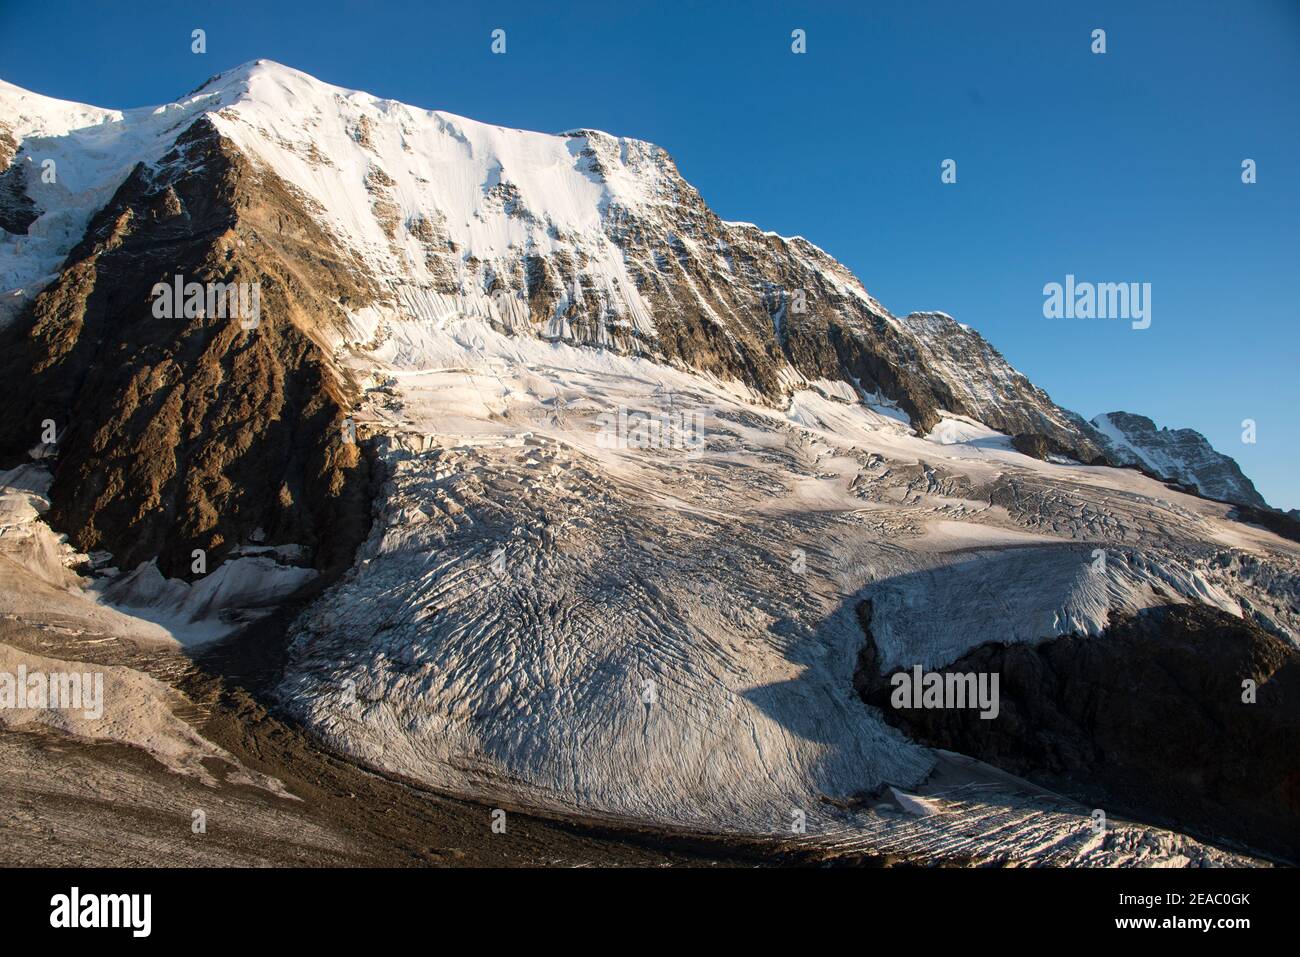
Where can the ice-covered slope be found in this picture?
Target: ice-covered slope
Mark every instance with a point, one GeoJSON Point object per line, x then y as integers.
{"type": "Point", "coordinates": [441, 208]}
{"type": "Point", "coordinates": [581, 237]}
{"type": "Point", "coordinates": [659, 627]}
{"type": "Point", "coordinates": [1176, 455]}
{"type": "Point", "coordinates": [666, 632]}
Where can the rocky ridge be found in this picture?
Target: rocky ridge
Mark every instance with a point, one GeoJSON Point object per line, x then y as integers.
{"type": "Point", "coordinates": [1182, 456]}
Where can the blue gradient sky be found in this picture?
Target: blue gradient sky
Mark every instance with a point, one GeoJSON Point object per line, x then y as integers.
{"type": "Point", "coordinates": [1121, 167]}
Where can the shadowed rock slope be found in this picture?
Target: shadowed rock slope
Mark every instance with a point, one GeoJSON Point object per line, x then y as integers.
{"type": "Point", "coordinates": [1148, 720]}
{"type": "Point", "coordinates": [175, 434]}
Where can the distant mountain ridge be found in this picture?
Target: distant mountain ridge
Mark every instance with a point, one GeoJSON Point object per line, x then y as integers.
{"type": "Point", "coordinates": [1183, 456]}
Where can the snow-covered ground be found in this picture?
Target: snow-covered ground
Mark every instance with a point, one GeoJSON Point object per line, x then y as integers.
{"type": "Point", "coordinates": [552, 617]}
{"type": "Point", "coordinates": [140, 606]}
{"type": "Point", "coordinates": [602, 585]}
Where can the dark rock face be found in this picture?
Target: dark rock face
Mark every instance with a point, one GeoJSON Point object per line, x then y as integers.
{"type": "Point", "coordinates": [17, 211]}
{"type": "Point", "coordinates": [1286, 524]}
{"type": "Point", "coordinates": [740, 303]}
{"type": "Point", "coordinates": [1181, 456]}
{"type": "Point", "coordinates": [1031, 444]}
{"type": "Point", "coordinates": [1147, 720]}
{"type": "Point", "coordinates": [1041, 445]}
{"type": "Point", "coordinates": [186, 433]}
{"type": "Point", "coordinates": [970, 377]}
{"type": "Point", "coordinates": [786, 301]}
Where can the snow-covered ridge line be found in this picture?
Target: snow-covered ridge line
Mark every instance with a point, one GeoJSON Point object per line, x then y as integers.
{"type": "Point", "coordinates": [1176, 455]}
{"type": "Point", "coordinates": [580, 237]}
{"type": "Point", "coordinates": [282, 117]}
{"type": "Point", "coordinates": [71, 158]}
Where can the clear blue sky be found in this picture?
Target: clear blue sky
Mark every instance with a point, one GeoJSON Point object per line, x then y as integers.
{"type": "Point", "coordinates": [1119, 167]}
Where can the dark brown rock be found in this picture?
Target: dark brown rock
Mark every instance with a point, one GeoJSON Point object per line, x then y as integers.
{"type": "Point", "coordinates": [184, 433]}
{"type": "Point", "coordinates": [1147, 720]}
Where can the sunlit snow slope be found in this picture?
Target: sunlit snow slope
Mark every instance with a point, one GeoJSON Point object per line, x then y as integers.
{"type": "Point", "coordinates": [637, 470]}
{"type": "Point", "coordinates": [581, 237]}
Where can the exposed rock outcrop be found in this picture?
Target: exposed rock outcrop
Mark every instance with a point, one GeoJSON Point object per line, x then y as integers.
{"type": "Point", "coordinates": [192, 432]}
{"type": "Point", "coordinates": [1147, 719]}
{"type": "Point", "coordinates": [17, 211]}
{"type": "Point", "coordinates": [1182, 456]}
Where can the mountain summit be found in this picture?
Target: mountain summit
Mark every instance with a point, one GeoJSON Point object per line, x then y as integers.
{"type": "Point", "coordinates": [586, 499]}
{"type": "Point", "coordinates": [581, 237]}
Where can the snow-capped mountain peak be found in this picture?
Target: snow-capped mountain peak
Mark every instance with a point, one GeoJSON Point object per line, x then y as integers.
{"type": "Point", "coordinates": [579, 237]}
{"type": "Point", "coordinates": [1175, 455]}
{"type": "Point", "coordinates": [601, 500]}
